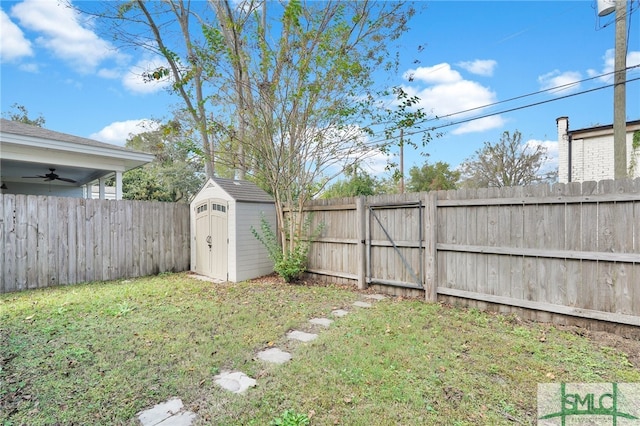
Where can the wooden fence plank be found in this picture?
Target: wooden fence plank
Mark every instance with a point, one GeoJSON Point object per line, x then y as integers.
{"type": "Point", "coordinates": [81, 240]}
{"type": "Point", "coordinates": [22, 242]}
{"type": "Point", "coordinates": [32, 265]}
{"type": "Point", "coordinates": [430, 236]}
{"type": "Point", "coordinates": [9, 275]}
{"type": "Point", "coordinates": [57, 240]}
{"type": "Point", "coordinates": [70, 256]}
{"type": "Point", "coordinates": [61, 241]}
{"type": "Point", "coordinates": [482, 238]}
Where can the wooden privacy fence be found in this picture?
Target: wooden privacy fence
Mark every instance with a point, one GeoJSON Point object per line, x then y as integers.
{"type": "Point", "coordinates": [54, 240]}
{"type": "Point", "coordinates": [556, 252]}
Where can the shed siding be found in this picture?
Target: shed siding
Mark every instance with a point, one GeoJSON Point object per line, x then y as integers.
{"type": "Point", "coordinates": [246, 257]}
{"type": "Point", "coordinates": [251, 257]}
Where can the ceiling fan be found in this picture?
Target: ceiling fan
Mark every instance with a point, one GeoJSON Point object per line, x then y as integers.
{"type": "Point", "coordinates": [51, 176]}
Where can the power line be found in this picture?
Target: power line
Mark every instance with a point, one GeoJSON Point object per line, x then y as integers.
{"type": "Point", "coordinates": [549, 90]}
{"type": "Point", "coordinates": [379, 141]}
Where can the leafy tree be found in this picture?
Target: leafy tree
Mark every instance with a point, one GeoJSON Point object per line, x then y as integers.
{"type": "Point", "coordinates": [432, 177]}
{"type": "Point", "coordinates": [20, 113]}
{"type": "Point", "coordinates": [506, 163]}
{"type": "Point", "coordinates": [174, 175]}
{"type": "Point", "coordinates": [276, 90]}
{"type": "Point", "coordinates": [358, 182]}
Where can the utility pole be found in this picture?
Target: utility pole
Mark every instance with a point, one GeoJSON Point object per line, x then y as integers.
{"type": "Point", "coordinates": [605, 7]}
{"type": "Point", "coordinates": [619, 93]}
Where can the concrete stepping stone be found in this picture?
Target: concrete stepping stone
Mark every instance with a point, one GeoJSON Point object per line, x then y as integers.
{"type": "Point", "coordinates": [339, 313]}
{"type": "Point", "coordinates": [236, 381]}
{"type": "Point", "coordinates": [274, 355]}
{"type": "Point", "coordinates": [375, 296]}
{"type": "Point", "coordinates": [169, 413]}
{"type": "Point", "coordinates": [301, 335]}
{"type": "Point", "coordinates": [325, 322]}
{"type": "Point", "coordinates": [362, 304]}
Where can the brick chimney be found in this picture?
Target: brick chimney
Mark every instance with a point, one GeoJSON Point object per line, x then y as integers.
{"type": "Point", "coordinates": [564, 150]}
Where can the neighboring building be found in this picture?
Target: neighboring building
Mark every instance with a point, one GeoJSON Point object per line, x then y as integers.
{"type": "Point", "coordinates": [39, 161]}
{"type": "Point", "coordinates": [587, 154]}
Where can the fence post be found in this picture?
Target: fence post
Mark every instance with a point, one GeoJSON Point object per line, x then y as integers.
{"type": "Point", "coordinates": [430, 236]}
{"type": "Point", "coordinates": [362, 246]}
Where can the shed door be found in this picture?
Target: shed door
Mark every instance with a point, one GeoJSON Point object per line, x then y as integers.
{"type": "Point", "coordinates": [212, 238]}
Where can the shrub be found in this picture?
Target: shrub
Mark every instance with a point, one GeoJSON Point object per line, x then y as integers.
{"type": "Point", "coordinates": [291, 418]}
{"type": "Point", "coordinates": [288, 264]}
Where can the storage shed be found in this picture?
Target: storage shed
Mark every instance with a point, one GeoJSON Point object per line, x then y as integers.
{"type": "Point", "coordinates": [222, 244]}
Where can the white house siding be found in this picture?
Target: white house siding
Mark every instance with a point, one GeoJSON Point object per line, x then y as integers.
{"type": "Point", "coordinates": [251, 257]}
{"type": "Point", "coordinates": [44, 189]}
{"type": "Point", "coordinates": [589, 152]}
{"type": "Point", "coordinates": [592, 159]}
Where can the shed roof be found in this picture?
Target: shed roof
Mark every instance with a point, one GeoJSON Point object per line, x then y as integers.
{"type": "Point", "coordinates": [243, 190]}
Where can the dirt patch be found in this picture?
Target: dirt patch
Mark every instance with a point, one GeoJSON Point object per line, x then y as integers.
{"type": "Point", "coordinates": [630, 347]}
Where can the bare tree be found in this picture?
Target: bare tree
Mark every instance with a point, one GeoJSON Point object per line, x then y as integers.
{"type": "Point", "coordinates": [506, 163]}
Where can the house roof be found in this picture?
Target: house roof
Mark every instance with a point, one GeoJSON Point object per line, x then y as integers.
{"type": "Point", "coordinates": [606, 129]}
{"type": "Point", "coordinates": [31, 151]}
{"type": "Point", "coordinates": [26, 130]}
{"type": "Point", "coordinates": [243, 190]}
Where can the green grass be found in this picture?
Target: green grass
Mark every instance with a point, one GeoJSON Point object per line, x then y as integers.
{"type": "Point", "coordinates": [101, 352]}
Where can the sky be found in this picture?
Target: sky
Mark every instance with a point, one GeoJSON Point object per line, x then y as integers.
{"type": "Point", "coordinates": [457, 56]}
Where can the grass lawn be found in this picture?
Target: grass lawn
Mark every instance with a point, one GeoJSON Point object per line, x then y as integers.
{"type": "Point", "coordinates": [99, 353]}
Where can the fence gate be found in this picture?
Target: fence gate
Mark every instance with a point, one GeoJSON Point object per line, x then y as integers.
{"type": "Point", "coordinates": [394, 245]}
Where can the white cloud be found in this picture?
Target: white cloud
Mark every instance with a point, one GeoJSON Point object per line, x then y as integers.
{"type": "Point", "coordinates": [633, 59]}
{"type": "Point", "coordinates": [608, 65]}
{"type": "Point", "coordinates": [109, 73]}
{"type": "Point", "coordinates": [448, 93]}
{"type": "Point", "coordinates": [482, 67]}
{"type": "Point", "coordinates": [375, 163]}
{"type": "Point", "coordinates": [118, 132]}
{"type": "Point", "coordinates": [566, 82]}
{"type": "Point", "coordinates": [13, 44]}
{"type": "Point", "coordinates": [64, 34]}
{"type": "Point", "coordinates": [31, 67]}
{"type": "Point", "coordinates": [437, 74]}
{"type": "Point", "coordinates": [134, 81]}
{"type": "Point", "coordinates": [552, 153]}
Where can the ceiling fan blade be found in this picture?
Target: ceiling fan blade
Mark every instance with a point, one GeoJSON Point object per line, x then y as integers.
{"type": "Point", "coordinates": [34, 177]}
{"type": "Point", "coordinates": [66, 180]}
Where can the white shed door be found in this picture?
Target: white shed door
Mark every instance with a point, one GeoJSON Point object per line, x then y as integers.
{"type": "Point", "coordinates": [212, 238]}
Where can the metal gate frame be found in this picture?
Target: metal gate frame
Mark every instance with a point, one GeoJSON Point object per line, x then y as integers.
{"type": "Point", "coordinates": [419, 277]}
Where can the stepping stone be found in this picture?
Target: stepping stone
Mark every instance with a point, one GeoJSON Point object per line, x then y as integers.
{"type": "Point", "coordinates": [375, 296]}
{"type": "Point", "coordinates": [362, 304]}
{"type": "Point", "coordinates": [339, 313]}
{"type": "Point", "coordinates": [325, 322]}
{"type": "Point", "coordinates": [169, 413]}
{"type": "Point", "coordinates": [274, 355]}
{"type": "Point", "coordinates": [301, 335]}
{"type": "Point", "coordinates": [236, 382]}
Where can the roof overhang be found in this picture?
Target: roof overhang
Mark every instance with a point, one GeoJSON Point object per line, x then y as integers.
{"type": "Point", "coordinates": [26, 155]}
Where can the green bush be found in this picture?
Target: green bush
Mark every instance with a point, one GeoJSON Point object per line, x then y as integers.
{"type": "Point", "coordinates": [291, 418]}
{"type": "Point", "coordinates": [289, 264]}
